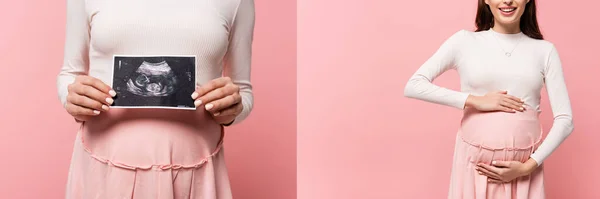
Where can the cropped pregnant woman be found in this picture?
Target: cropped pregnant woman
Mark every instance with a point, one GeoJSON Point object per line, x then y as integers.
{"type": "Point", "coordinates": [503, 66]}
{"type": "Point", "coordinates": [154, 153]}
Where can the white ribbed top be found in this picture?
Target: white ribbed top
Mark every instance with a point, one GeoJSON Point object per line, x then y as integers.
{"type": "Point", "coordinates": [218, 32]}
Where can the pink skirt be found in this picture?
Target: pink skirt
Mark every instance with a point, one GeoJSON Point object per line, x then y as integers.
{"type": "Point", "coordinates": [485, 137]}
{"type": "Point", "coordinates": [148, 156]}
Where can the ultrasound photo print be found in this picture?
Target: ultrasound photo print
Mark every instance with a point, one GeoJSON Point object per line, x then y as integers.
{"type": "Point", "coordinates": [154, 81]}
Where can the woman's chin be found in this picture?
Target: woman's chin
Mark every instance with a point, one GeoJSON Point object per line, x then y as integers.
{"type": "Point", "coordinates": [508, 22]}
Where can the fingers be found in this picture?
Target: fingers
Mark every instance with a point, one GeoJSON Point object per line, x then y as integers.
{"type": "Point", "coordinates": [86, 102]}
{"type": "Point", "coordinates": [95, 83]}
{"type": "Point", "coordinates": [230, 111]}
{"type": "Point", "coordinates": [210, 86]}
{"type": "Point", "coordinates": [503, 107]}
{"type": "Point", "coordinates": [220, 98]}
{"type": "Point", "coordinates": [487, 172]}
{"type": "Point", "coordinates": [87, 97]}
{"type": "Point", "coordinates": [93, 93]}
{"type": "Point", "coordinates": [210, 97]}
{"type": "Point", "coordinates": [495, 178]}
{"type": "Point", "coordinates": [512, 105]}
{"type": "Point", "coordinates": [490, 168]}
{"type": "Point", "coordinates": [223, 103]}
{"type": "Point", "coordinates": [76, 110]}
{"type": "Point", "coordinates": [505, 95]}
{"type": "Point", "coordinates": [501, 163]}
{"type": "Point", "coordinates": [515, 99]}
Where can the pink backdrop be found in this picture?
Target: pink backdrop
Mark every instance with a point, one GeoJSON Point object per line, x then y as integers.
{"type": "Point", "coordinates": [36, 135]}
{"type": "Point", "coordinates": [358, 137]}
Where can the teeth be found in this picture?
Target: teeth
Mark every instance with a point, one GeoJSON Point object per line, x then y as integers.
{"type": "Point", "coordinates": [507, 9]}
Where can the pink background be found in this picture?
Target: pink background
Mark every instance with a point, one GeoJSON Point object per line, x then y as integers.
{"type": "Point", "coordinates": [358, 137]}
{"type": "Point", "coordinates": [36, 134]}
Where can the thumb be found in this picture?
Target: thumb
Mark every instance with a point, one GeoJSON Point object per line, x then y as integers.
{"type": "Point", "coordinates": [501, 163]}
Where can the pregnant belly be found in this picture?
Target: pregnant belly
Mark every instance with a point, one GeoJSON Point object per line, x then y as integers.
{"type": "Point", "coordinates": [144, 138]}
{"type": "Point", "coordinates": [501, 130]}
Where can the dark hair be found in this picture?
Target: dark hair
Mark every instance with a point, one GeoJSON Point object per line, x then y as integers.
{"type": "Point", "coordinates": [528, 24]}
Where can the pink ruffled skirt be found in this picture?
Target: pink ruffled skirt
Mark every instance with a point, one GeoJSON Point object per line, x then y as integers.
{"type": "Point", "coordinates": [485, 137]}
{"type": "Point", "coordinates": [146, 155]}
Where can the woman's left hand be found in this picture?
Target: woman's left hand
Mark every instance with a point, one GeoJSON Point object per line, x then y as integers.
{"type": "Point", "coordinates": [221, 97]}
{"type": "Point", "coordinates": [506, 171]}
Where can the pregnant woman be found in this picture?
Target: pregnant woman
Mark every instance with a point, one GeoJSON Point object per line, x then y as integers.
{"type": "Point", "coordinates": [503, 66]}
{"type": "Point", "coordinates": [154, 153]}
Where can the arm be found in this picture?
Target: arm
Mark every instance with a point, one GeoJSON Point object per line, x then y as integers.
{"type": "Point", "coordinates": [238, 58]}
{"type": "Point", "coordinates": [561, 128]}
{"type": "Point", "coordinates": [420, 85]}
{"type": "Point", "coordinates": [561, 108]}
{"type": "Point", "coordinates": [75, 60]}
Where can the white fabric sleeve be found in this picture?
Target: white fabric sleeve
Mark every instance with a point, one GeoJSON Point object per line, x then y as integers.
{"type": "Point", "coordinates": [239, 53]}
{"type": "Point", "coordinates": [76, 57]}
{"type": "Point", "coordinates": [420, 85]}
{"type": "Point", "coordinates": [561, 108]}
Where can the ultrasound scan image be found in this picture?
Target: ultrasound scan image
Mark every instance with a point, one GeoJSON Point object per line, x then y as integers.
{"type": "Point", "coordinates": [154, 82]}
{"type": "Point", "coordinates": [153, 79]}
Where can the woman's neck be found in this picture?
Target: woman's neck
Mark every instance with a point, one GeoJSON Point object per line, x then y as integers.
{"type": "Point", "coordinates": [506, 29]}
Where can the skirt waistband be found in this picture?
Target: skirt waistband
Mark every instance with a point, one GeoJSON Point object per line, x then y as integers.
{"type": "Point", "coordinates": [132, 166]}
{"type": "Point", "coordinates": [501, 130]}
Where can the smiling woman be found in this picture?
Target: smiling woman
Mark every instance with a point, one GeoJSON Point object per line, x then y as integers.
{"type": "Point", "coordinates": [490, 12]}
{"type": "Point", "coordinates": [503, 66]}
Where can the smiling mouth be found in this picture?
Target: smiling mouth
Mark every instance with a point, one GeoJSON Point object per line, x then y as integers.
{"type": "Point", "coordinates": [508, 10]}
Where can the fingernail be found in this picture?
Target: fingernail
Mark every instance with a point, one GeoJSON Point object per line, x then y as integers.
{"type": "Point", "coordinates": [96, 112]}
{"type": "Point", "coordinates": [480, 173]}
{"type": "Point", "coordinates": [198, 102]}
{"type": "Point", "coordinates": [209, 106]}
{"type": "Point", "coordinates": [194, 95]}
{"type": "Point", "coordinates": [112, 93]}
{"type": "Point", "coordinates": [493, 162]}
{"type": "Point", "coordinates": [109, 100]}
{"type": "Point", "coordinates": [105, 107]}
{"type": "Point", "coordinates": [217, 114]}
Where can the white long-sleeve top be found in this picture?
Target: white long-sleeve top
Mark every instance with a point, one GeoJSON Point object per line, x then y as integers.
{"type": "Point", "coordinates": [480, 60]}
{"type": "Point", "coordinates": [218, 32]}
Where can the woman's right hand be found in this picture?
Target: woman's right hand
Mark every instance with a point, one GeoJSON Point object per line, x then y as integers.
{"type": "Point", "coordinates": [496, 101]}
{"type": "Point", "coordinates": [87, 97]}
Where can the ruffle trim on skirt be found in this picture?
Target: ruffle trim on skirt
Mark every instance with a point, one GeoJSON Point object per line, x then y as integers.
{"type": "Point", "coordinates": [499, 131]}
{"type": "Point", "coordinates": [531, 147]}
{"type": "Point", "coordinates": [198, 163]}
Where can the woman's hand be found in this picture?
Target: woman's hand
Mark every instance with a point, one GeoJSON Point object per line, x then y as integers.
{"type": "Point", "coordinates": [221, 98]}
{"type": "Point", "coordinates": [506, 171]}
{"type": "Point", "coordinates": [496, 101]}
{"type": "Point", "coordinates": [87, 97]}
